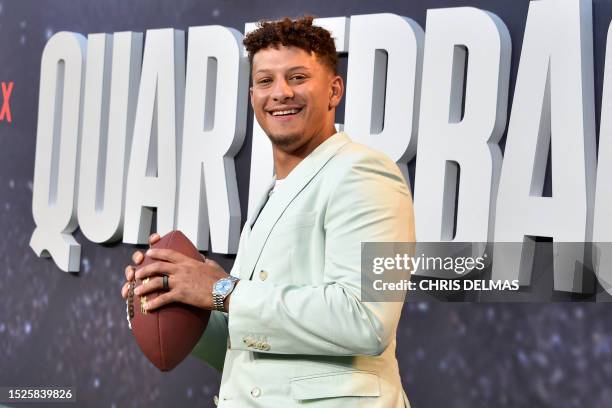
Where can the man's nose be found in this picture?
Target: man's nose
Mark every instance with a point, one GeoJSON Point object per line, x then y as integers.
{"type": "Point", "coordinates": [281, 90]}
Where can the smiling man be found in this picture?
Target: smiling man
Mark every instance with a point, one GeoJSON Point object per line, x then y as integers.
{"type": "Point", "coordinates": [288, 326]}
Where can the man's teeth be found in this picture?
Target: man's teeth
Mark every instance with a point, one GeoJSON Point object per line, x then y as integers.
{"type": "Point", "coordinates": [285, 112]}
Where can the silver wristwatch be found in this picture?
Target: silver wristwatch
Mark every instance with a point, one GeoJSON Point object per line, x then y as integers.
{"type": "Point", "coordinates": [221, 289]}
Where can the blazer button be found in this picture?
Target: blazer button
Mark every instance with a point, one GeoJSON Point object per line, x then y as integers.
{"type": "Point", "coordinates": [255, 392]}
{"type": "Point", "coordinates": [263, 275]}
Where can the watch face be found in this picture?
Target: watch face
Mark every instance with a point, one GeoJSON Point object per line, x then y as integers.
{"type": "Point", "coordinates": [223, 286]}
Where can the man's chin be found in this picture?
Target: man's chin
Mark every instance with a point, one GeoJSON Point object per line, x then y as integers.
{"type": "Point", "coordinates": [284, 141]}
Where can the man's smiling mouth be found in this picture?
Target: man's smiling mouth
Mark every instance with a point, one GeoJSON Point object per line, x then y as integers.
{"type": "Point", "coordinates": [285, 112]}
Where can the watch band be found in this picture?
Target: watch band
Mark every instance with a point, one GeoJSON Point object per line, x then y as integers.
{"type": "Point", "coordinates": [218, 302]}
{"type": "Point", "coordinates": [218, 298]}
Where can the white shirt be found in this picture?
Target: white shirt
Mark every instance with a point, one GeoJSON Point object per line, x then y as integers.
{"type": "Point", "coordinates": [277, 184]}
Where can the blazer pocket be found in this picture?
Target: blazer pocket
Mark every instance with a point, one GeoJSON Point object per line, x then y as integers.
{"type": "Point", "coordinates": [336, 384]}
{"type": "Point", "coordinates": [290, 223]}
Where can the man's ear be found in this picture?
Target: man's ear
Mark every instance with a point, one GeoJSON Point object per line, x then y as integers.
{"type": "Point", "coordinates": [251, 95]}
{"type": "Point", "coordinates": [337, 91]}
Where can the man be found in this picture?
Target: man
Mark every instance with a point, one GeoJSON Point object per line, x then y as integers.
{"type": "Point", "coordinates": [295, 331]}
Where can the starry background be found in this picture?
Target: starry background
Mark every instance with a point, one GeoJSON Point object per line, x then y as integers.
{"type": "Point", "coordinates": [60, 329]}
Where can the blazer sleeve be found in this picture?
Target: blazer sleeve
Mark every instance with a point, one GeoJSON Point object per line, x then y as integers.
{"type": "Point", "coordinates": [370, 202]}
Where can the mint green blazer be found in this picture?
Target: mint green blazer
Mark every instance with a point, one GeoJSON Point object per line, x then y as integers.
{"type": "Point", "coordinates": [297, 333]}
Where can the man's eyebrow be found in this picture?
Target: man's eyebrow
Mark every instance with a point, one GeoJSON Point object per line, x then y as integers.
{"type": "Point", "coordinates": [296, 68]}
{"type": "Point", "coordinates": [299, 67]}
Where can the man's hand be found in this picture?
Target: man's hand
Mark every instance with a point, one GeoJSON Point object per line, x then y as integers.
{"type": "Point", "coordinates": [137, 258]}
{"type": "Point", "coordinates": [190, 280]}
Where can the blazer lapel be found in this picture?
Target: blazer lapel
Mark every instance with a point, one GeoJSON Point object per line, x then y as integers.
{"type": "Point", "coordinates": [295, 182]}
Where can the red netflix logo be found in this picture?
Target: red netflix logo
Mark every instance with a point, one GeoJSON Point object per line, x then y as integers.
{"type": "Point", "coordinates": [5, 112]}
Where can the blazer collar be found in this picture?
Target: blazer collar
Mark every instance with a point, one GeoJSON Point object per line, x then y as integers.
{"type": "Point", "coordinates": [275, 206]}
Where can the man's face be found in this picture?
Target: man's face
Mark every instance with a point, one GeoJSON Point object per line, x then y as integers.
{"type": "Point", "coordinates": [293, 96]}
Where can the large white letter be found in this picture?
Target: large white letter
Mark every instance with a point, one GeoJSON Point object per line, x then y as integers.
{"type": "Point", "coordinates": [262, 165]}
{"type": "Point", "coordinates": [57, 148]}
{"type": "Point", "coordinates": [382, 84]}
{"type": "Point", "coordinates": [214, 128]}
{"type": "Point", "coordinates": [602, 224]}
{"type": "Point", "coordinates": [152, 172]}
{"type": "Point", "coordinates": [108, 123]}
{"type": "Point", "coordinates": [553, 106]}
{"type": "Point", "coordinates": [458, 134]}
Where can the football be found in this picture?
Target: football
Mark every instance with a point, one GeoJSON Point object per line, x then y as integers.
{"type": "Point", "coordinates": [168, 334]}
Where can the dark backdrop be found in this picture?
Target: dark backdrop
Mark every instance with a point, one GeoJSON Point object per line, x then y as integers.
{"type": "Point", "coordinates": [70, 330]}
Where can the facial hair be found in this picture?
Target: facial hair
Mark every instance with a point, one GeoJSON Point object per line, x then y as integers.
{"type": "Point", "coordinates": [284, 141]}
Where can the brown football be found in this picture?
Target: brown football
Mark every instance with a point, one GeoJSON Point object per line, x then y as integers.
{"type": "Point", "coordinates": [168, 334]}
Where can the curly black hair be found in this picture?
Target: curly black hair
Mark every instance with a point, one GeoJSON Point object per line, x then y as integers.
{"type": "Point", "coordinates": [298, 33]}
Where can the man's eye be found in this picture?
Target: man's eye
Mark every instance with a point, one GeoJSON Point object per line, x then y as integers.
{"type": "Point", "coordinates": [298, 77]}
{"type": "Point", "coordinates": [264, 81]}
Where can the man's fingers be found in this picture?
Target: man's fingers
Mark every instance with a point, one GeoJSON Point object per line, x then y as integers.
{"type": "Point", "coordinates": [124, 290]}
{"type": "Point", "coordinates": [163, 299]}
{"type": "Point", "coordinates": [153, 238]}
{"type": "Point", "coordinates": [137, 257]}
{"type": "Point", "coordinates": [155, 284]}
{"type": "Point", "coordinates": [129, 273]}
{"type": "Point", "coordinates": [168, 255]}
{"type": "Point", "coordinates": [156, 268]}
